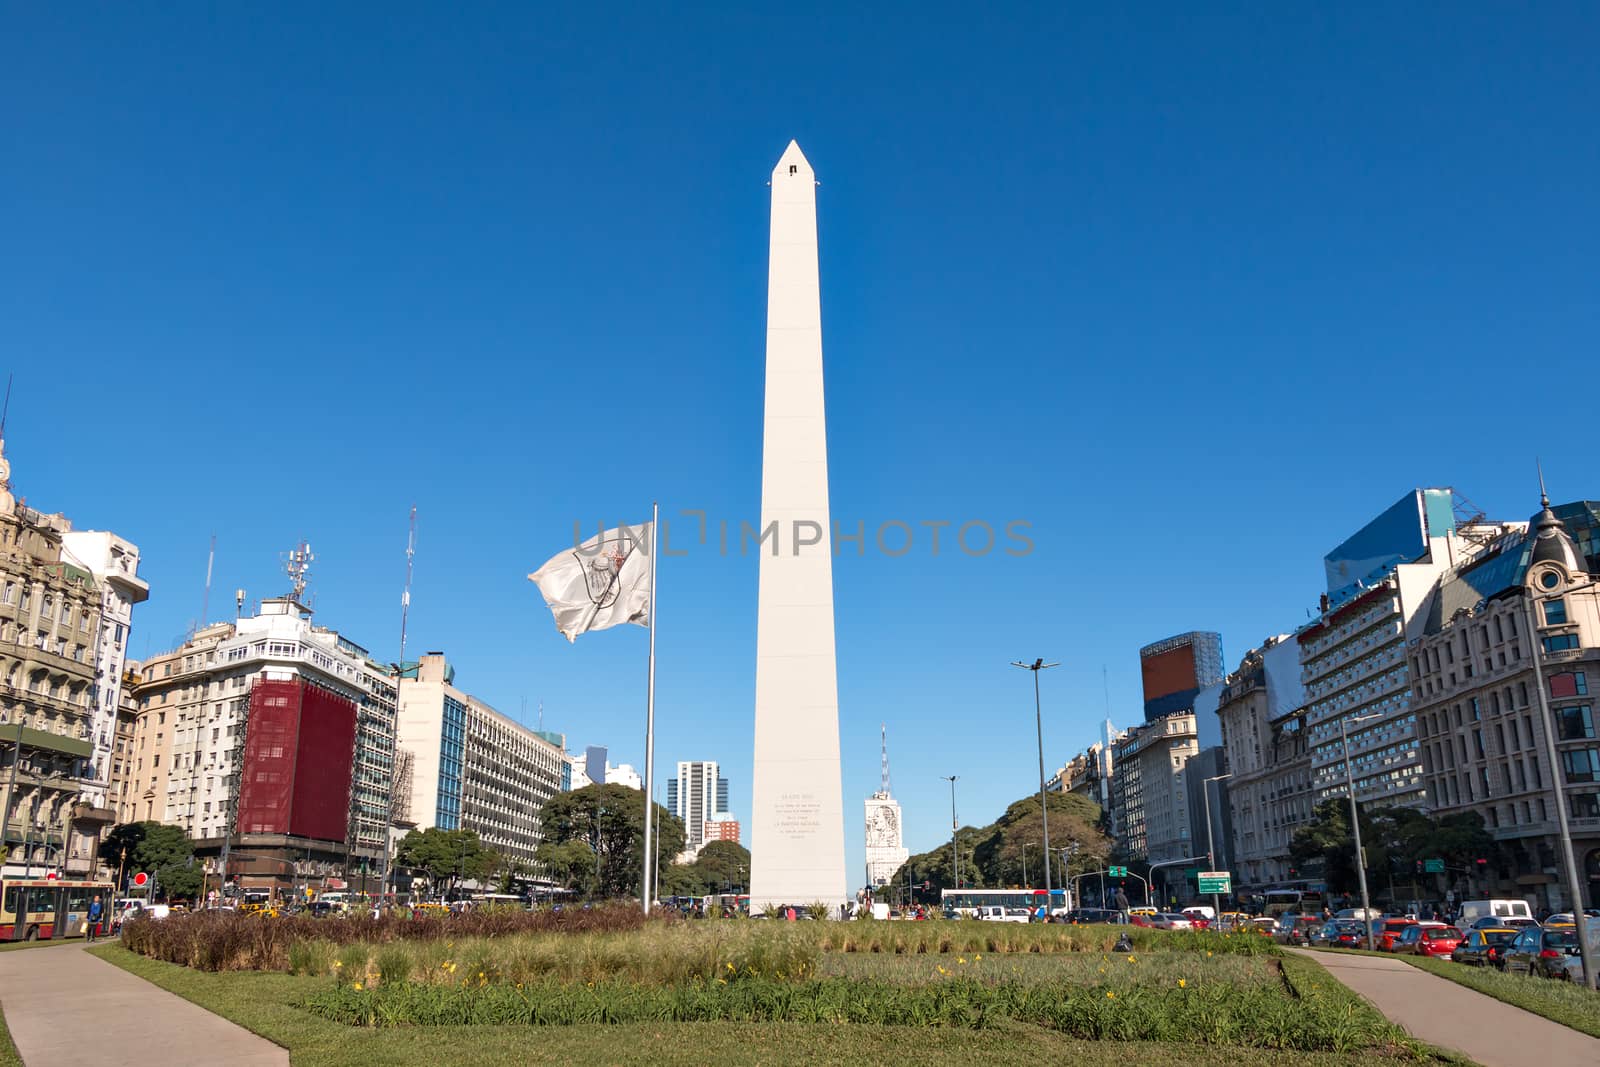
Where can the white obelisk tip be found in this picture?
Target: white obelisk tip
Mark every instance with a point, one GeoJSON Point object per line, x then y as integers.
{"type": "Point", "coordinates": [793, 164]}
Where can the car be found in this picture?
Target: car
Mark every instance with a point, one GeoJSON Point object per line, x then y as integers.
{"type": "Point", "coordinates": [1341, 933]}
{"type": "Point", "coordinates": [1199, 917]}
{"type": "Point", "coordinates": [1095, 916]}
{"type": "Point", "coordinates": [1485, 947]}
{"type": "Point", "coordinates": [1389, 931]}
{"type": "Point", "coordinates": [1296, 929]}
{"type": "Point", "coordinates": [1264, 925]}
{"type": "Point", "coordinates": [1438, 941]}
{"type": "Point", "coordinates": [995, 913]}
{"type": "Point", "coordinates": [1544, 951]}
{"type": "Point", "coordinates": [141, 909]}
{"type": "Point", "coordinates": [1170, 920]}
{"type": "Point", "coordinates": [1409, 938]}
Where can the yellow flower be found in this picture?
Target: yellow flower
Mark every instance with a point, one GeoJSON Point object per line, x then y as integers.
{"type": "Point", "coordinates": [480, 974]}
{"type": "Point", "coordinates": [1110, 995]}
{"type": "Point", "coordinates": [1182, 984]}
{"type": "Point", "coordinates": [1102, 970]}
{"type": "Point", "coordinates": [336, 963]}
{"type": "Point", "coordinates": [730, 966]}
{"type": "Point", "coordinates": [1208, 955]}
{"type": "Point", "coordinates": [975, 959]}
{"type": "Point", "coordinates": [357, 986]}
{"type": "Point", "coordinates": [961, 959]}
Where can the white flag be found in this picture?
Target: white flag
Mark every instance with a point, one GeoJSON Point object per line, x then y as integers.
{"type": "Point", "coordinates": [604, 582]}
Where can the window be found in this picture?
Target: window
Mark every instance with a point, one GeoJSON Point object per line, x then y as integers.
{"type": "Point", "coordinates": [1555, 612]}
{"type": "Point", "coordinates": [1575, 723]}
{"type": "Point", "coordinates": [1549, 579]}
{"type": "Point", "coordinates": [1581, 765]}
{"type": "Point", "coordinates": [1560, 643]}
{"type": "Point", "coordinates": [1586, 806]}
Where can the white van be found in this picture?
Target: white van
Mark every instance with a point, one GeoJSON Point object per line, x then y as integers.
{"type": "Point", "coordinates": [1473, 910]}
{"type": "Point", "coordinates": [997, 914]}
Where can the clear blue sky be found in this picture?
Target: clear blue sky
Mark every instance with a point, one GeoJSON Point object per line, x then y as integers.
{"type": "Point", "coordinates": [1194, 295]}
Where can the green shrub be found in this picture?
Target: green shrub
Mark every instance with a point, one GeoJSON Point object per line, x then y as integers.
{"type": "Point", "coordinates": [351, 965]}
{"type": "Point", "coordinates": [311, 957]}
{"type": "Point", "coordinates": [394, 964]}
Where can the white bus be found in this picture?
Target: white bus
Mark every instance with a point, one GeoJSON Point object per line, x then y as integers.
{"type": "Point", "coordinates": [964, 903]}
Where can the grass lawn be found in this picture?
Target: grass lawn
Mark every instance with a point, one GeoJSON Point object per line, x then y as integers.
{"type": "Point", "coordinates": [8, 1051]}
{"type": "Point", "coordinates": [19, 946]}
{"type": "Point", "coordinates": [265, 1003]}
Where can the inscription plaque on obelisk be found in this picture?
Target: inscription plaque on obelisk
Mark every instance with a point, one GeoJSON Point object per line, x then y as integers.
{"type": "Point", "coordinates": [797, 816]}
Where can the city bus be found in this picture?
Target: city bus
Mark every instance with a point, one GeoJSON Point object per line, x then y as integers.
{"type": "Point", "coordinates": [1307, 901]}
{"type": "Point", "coordinates": [35, 909]}
{"type": "Point", "coordinates": [964, 903]}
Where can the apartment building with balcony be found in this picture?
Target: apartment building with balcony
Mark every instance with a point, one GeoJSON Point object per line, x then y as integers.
{"type": "Point", "coordinates": [1502, 677]}
{"type": "Point", "coordinates": [1150, 795]}
{"type": "Point", "coordinates": [1264, 739]}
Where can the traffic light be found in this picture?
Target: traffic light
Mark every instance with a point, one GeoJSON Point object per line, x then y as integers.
{"type": "Point", "coordinates": [1481, 862]}
{"type": "Point", "coordinates": [1419, 866]}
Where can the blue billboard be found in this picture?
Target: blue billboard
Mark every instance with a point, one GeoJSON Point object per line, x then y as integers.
{"type": "Point", "coordinates": [1399, 535]}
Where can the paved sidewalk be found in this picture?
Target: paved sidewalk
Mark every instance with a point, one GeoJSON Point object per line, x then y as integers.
{"type": "Point", "coordinates": [1440, 1012]}
{"type": "Point", "coordinates": [65, 1008]}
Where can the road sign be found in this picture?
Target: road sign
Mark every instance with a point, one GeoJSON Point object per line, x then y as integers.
{"type": "Point", "coordinates": [1215, 881]}
{"type": "Point", "coordinates": [141, 878]}
{"type": "Point", "coordinates": [1118, 872]}
{"type": "Point", "coordinates": [1433, 866]}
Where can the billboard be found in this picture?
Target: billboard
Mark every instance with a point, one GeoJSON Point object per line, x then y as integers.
{"type": "Point", "coordinates": [1176, 669]}
{"type": "Point", "coordinates": [1399, 535]}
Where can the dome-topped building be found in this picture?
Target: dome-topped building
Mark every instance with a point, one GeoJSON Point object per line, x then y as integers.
{"type": "Point", "coordinates": [1551, 541]}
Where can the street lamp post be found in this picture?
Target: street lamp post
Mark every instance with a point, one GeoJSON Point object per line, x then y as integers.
{"type": "Point", "coordinates": [1355, 823]}
{"type": "Point", "coordinates": [1211, 848]}
{"type": "Point", "coordinates": [1044, 808]}
{"type": "Point", "coordinates": [955, 859]}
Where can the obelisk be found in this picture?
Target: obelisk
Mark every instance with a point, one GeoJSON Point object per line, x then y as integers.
{"type": "Point", "coordinates": [797, 815]}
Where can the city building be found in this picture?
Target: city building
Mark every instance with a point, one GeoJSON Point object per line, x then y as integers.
{"type": "Point", "coordinates": [624, 774]}
{"type": "Point", "coordinates": [1510, 642]}
{"type": "Point", "coordinates": [1150, 795]}
{"type": "Point", "coordinates": [577, 773]}
{"type": "Point", "coordinates": [1264, 739]}
{"type": "Point", "coordinates": [723, 829]}
{"type": "Point", "coordinates": [244, 790]}
{"type": "Point", "coordinates": [58, 691]}
{"type": "Point", "coordinates": [119, 794]}
{"type": "Point", "coordinates": [474, 768]}
{"type": "Point", "coordinates": [1175, 670]}
{"type": "Point", "coordinates": [696, 796]}
{"type": "Point", "coordinates": [1090, 773]}
{"type": "Point", "coordinates": [885, 840]}
{"type": "Point", "coordinates": [1353, 656]}
{"type": "Point", "coordinates": [595, 761]}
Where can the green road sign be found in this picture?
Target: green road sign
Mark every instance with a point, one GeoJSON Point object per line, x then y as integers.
{"type": "Point", "coordinates": [1433, 866]}
{"type": "Point", "coordinates": [1118, 872]}
{"type": "Point", "coordinates": [1214, 881]}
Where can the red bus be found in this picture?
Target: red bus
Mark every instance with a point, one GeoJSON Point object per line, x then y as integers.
{"type": "Point", "coordinates": [34, 909]}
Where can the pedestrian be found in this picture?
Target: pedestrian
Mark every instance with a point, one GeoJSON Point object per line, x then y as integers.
{"type": "Point", "coordinates": [94, 917]}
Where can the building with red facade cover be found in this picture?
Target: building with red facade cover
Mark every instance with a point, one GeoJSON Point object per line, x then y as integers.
{"type": "Point", "coordinates": [298, 753]}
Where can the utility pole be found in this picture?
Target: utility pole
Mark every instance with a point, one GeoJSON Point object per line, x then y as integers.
{"type": "Point", "coordinates": [1211, 848]}
{"type": "Point", "coordinates": [955, 859]}
{"type": "Point", "coordinates": [1355, 825]}
{"type": "Point", "coordinates": [1044, 807]}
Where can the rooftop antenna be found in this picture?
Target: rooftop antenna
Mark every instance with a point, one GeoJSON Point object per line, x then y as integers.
{"type": "Point", "coordinates": [297, 565]}
{"type": "Point", "coordinates": [205, 602]}
{"type": "Point", "coordinates": [1105, 680]}
{"type": "Point", "coordinates": [1544, 497]}
{"type": "Point", "coordinates": [238, 603]}
{"type": "Point", "coordinates": [541, 714]}
{"type": "Point", "coordinates": [6, 409]}
{"type": "Point", "coordinates": [883, 730]}
{"type": "Point", "coordinates": [405, 597]}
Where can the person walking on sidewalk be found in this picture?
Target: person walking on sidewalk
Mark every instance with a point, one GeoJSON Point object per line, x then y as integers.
{"type": "Point", "coordinates": [94, 919]}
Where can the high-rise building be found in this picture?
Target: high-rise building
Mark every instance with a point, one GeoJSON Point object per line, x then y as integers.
{"type": "Point", "coordinates": [63, 633]}
{"type": "Point", "coordinates": [1175, 670]}
{"type": "Point", "coordinates": [1353, 657]}
{"type": "Point", "coordinates": [697, 796]}
{"type": "Point", "coordinates": [200, 763]}
{"type": "Point", "coordinates": [885, 840]}
{"type": "Point", "coordinates": [723, 829]}
{"type": "Point", "coordinates": [474, 768]}
{"type": "Point", "coordinates": [1150, 793]}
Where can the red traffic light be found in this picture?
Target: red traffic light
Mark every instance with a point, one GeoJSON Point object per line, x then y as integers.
{"type": "Point", "coordinates": [1482, 863]}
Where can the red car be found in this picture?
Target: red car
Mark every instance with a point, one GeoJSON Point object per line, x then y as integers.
{"type": "Point", "coordinates": [1389, 932]}
{"type": "Point", "coordinates": [1438, 941]}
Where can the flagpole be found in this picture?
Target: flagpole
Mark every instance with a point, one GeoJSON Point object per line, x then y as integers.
{"type": "Point", "coordinates": [650, 715]}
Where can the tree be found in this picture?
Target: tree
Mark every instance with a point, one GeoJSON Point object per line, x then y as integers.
{"type": "Point", "coordinates": [164, 852]}
{"type": "Point", "coordinates": [724, 866]}
{"type": "Point", "coordinates": [682, 880]}
{"type": "Point", "coordinates": [453, 855]}
{"type": "Point", "coordinates": [609, 819]}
